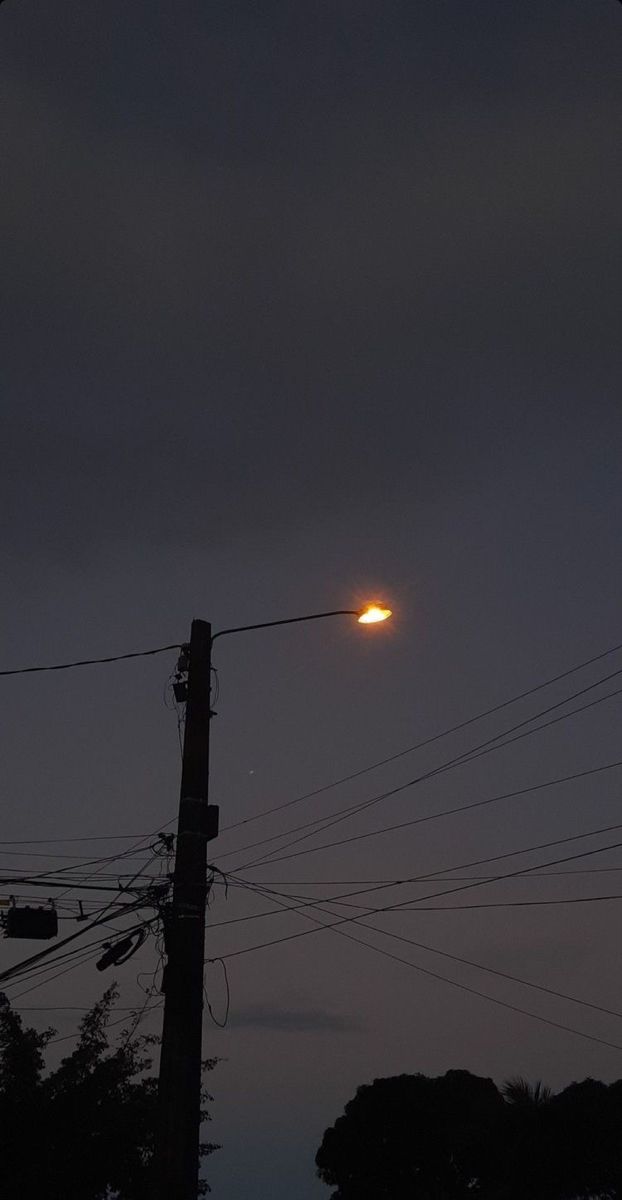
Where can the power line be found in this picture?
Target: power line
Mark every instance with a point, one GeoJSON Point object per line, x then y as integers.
{"type": "Point", "coordinates": [52, 883]}
{"type": "Point", "coordinates": [310, 902]}
{"type": "Point", "coordinates": [91, 662]}
{"type": "Point", "coordinates": [111, 1024]}
{"type": "Point", "coordinates": [449, 891]}
{"type": "Point", "coordinates": [335, 783]}
{"type": "Point", "coordinates": [86, 957]}
{"type": "Point", "coordinates": [451, 811]}
{"type": "Point", "coordinates": [102, 861]}
{"type": "Point", "coordinates": [31, 968]}
{"type": "Point", "coordinates": [35, 958]}
{"type": "Point", "coordinates": [498, 903]}
{"type": "Point", "coordinates": [346, 882]}
{"type": "Point", "coordinates": [463, 986]}
{"type": "Point", "coordinates": [475, 881]}
{"type": "Point", "coordinates": [79, 955]}
{"type": "Point", "coordinates": [344, 779]}
{"type": "Point", "coordinates": [35, 970]}
{"type": "Point", "coordinates": [427, 741]}
{"type": "Point", "coordinates": [69, 1008]}
{"type": "Point", "coordinates": [110, 837]}
{"type": "Point", "coordinates": [125, 854]}
{"type": "Point", "coordinates": [484, 995]}
{"type": "Point", "coordinates": [462, 759]}
{"type": "Point", "coordinates": [52, 854]}
{"type": "Point", "coordinates": [471, 963]}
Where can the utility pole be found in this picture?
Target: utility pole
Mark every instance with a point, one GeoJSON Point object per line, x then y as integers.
{"type": "Point", "coordinates": [179, 1087]}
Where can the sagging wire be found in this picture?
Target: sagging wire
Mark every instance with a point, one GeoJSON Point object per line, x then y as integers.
{"type": "Point", "coordinates": [214, 870]}
{"type": "Point", "coordinates": [78, 957]}
{"type": "Point", "coordinates": [176, 693]}
{"type": "Point", "coordinates": [212, 880]}
{"type": "Point", "coordinates": [111, 1024]}
{"type": "Point", "coordinates": [165, 850]}
{"type": "Point", "coordinates": [90, 950]}
{"type": "Point", "coordinates": [220, 1024]}
{"type": "Point", "coordinates": [455, 983]}
{"type": "Point", "coordinates": [155, 986]}
{"type": "Point", "coordinates": [139, 1015]}
{"type": "Point", "coordinates": [106, 862]}
{"type": "Point", "coordinates": [216, 688]}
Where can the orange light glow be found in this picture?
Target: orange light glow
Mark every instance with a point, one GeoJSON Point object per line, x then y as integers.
{"type": "Point", "coordinates": [374, 613]}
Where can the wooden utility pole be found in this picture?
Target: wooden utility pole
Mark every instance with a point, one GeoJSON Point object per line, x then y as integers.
{"type": "Point", "coordinates": [179, 1088]}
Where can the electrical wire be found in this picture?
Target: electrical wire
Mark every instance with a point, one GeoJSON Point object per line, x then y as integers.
{"type": "Point", "coordinates": [346, 882]}
{"type": "Point", "coordinates": [444, 874]}
{"type": "Point", "coordinates": [449, 891]}
{"type": "Point", "coordinates": [485, 996]}
{"type": "Point", "coordinates": [462, 759]}
{"type": "Point", "coordinates": [111, 1025]}
{"type": "Point", "coordinates": [458, 809]}
{"type": "Point", "coordinates": [471, 963]}
{"type": "Point", "coordinates": [97, 862]}
{"type": "Point", "coordinates": [496, 903]}
{"type": "Point", "coordinates": [124, 855]}
{"type": "Point", "coordinates": [109, 837]}
{"type": "Point", "coordinates": [310, 901]}
{"type": "Point", "coordinates": [524, 870]}
{"type": "Point", "coordinates": [90, 662]}
{"type": "Point", "coordinates": [71, 958]}
{"type": "Point", "coordinates": [42, 854]}
{"type": "Point", "coordinates": [52, 883]}
{"type": "Point", "coordinates": [79, 956]}
{"type": "Point", "coordinates": [131, 1008]}
{"type": "Point", "coordinates": [35, 958]}
{"type": "Point", "coordinates": [514, 903]}
{"type": "Point", "coordinates": [335, 783]}
{"type": "Point", "coordinates": [139, 1014]}
{"type": "Point", "coordinates": [464, 987]}
{"type": "Point", "coordinates": [426, 741]}
{"type": "Point", "coordinates": [26, 970]}
{"type": "Point", "coordinates": [88, 957]}
{"type": "Point", "coordinates": [220, 1024]}
{"type": "Point", "coordinates": [34, 970]}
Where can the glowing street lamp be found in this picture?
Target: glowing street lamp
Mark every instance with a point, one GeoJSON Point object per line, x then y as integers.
{"type": "Point", "coordinates": [372, 613]}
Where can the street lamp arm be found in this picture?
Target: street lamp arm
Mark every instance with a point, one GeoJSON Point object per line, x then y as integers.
{"type": "Point", "coordinates": [339, 612]}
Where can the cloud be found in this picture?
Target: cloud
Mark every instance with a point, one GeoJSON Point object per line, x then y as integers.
{"type": "Point", "coordinates": [284, 1020]}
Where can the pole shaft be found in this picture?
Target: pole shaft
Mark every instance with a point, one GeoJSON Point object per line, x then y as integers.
{"type": "Point", "coordinates": [179, 1086]}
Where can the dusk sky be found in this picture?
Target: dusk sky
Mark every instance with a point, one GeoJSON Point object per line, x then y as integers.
{"type": "Point", "coordinates": [305, 304]}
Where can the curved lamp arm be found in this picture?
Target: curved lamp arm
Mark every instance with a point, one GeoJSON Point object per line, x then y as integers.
{"type": "Point", "coordinates": [370, 615]}
{"type": "Point", "coordinates": [338, 612]}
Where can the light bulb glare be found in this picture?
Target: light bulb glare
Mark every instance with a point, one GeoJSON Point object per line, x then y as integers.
{"type": "Point", "coordinates": [373, 613]}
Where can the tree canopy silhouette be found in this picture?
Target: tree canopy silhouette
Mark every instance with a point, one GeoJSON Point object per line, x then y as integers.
{"type": "Point", "coordinates": [455, 1137]}
{"type": "Point", "coordinates": [84, 1131]}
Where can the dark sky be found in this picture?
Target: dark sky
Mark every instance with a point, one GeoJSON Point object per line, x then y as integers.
{"type": "Point", "coordinates": [306, 303]}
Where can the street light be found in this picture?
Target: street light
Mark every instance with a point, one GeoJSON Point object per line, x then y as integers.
{"type": "Point", "coordinates": [179, 1085]}
{"type": "Point", "coordinates": [373, 613]}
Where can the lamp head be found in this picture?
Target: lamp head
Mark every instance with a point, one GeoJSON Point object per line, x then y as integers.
{"type": "Point", "coordinates": [372, 613]}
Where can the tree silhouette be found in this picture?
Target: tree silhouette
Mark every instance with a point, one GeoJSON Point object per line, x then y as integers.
{"type": "Point", "coordinates": [412, 1137]}
{"type": "Point", "coordinates": [566, 1146]}
{"type": "Point", "coordinates": [518, 1091]}
{"type": "Point", "coordinates": [84, 1131]}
